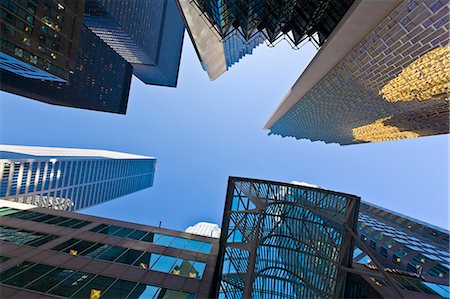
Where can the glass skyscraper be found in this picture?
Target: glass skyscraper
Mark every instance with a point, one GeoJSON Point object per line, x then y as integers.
{"type": "Point", "coordinates": [147, 34]}
{"type": "Point", "coordinates": [39, 38]}
{"type": "Point", "coordinates": [70, 179]}
{"type": "Point", "coordinates": [100, 80]}
{"type": "Point", "coordinates": [381, 76]}
{"type": "Point", "coordinates": [406, 246]}
{"type": "Point", "coordinates": [225, 31]}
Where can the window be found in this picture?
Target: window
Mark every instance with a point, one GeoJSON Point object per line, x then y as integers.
{"type": "Point", "coordinates": [438, 271]}
{"type": "Point", "coordinates": [30, 274]}
{"type": "Point", "coordinates": [159, 239]}
{"type": "Point", "coordinates": [74, 246]}
{"type": "Point", "coordinates": [396, 259]}
{"type": "Point", "coordinates": [24, 237]}
{"type": "Point", "coordinates": [112, 253]}
{"type": "Point", "coordinates": [49, 219]}
{"type": "Point", "coordinates": [70, 283]}
{"type": "Point", "coordinates": [98, 285]}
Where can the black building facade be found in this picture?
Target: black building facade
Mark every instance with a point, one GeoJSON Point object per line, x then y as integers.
{"type": "Point", "coordinates": [100, 81]}
{"type": "Point", "coordinates": [39, 38]}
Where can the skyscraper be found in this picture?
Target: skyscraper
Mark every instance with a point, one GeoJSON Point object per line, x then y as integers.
{"type": "Point", "coordinates": [204, 229]}
{"type": "Point", "coordinates": [224, 31]}
{"type": "Point", "coordinates": [39, 38]}
{"type": "Point", "coordinates": [100, 81]}
{"type": "Point", "coordinates": [380, 76]}
{"type": "Point", "coordinates": [57, 254]}
{"type": "Point", "coordinates": [70, 179]}
{"type": "Point", "coordinates": [283, 240]}
{"type": "Point", "coordinates": [406, 244]}
{"type": "Point", "coordinates": [147, 34]}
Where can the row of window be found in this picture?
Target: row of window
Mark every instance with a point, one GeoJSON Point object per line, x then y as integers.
{"type": "Point", "coordinates": [43, 218]}
{"type": "Point", "coordinates": [24, 237]}
{"type": "Point", "coordinates": [159, 239]}
{"type": "Point", "coordinates": [76, 284]}
{"type": "Point", "coordinates": [438, 271]}
{"type": "Point", "coordinates": [112, 230]}
{"type": "Point", "coordinates": [138, 258]}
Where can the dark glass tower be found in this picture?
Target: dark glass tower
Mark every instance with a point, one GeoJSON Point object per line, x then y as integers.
{"type": "Point", "coordinates": [147, 34]}
{"type": "Point", "coordinates": [224, 31]}
{"type": "Point", "coordinates": [100, 81]}
{"type": "Point", "coordinates": [39, 38]}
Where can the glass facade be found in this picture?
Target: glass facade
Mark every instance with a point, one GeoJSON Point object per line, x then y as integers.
{"type": "Point", "coordinates": [62, 253]}
{"type": "Point", "coordinates": [138, 258]}
{"type": "Point", "coordinates": [147, 34]}
{"type": "Point", "coordinates": [39, 38]}
{"type": "Point", "coordinates": [99, 81]}
{"type": "Point", "coordinates": [43, 218]}
{"type": "Point", "coordinates": [24, 237]}
{"type": "Point", "coordinates": [71, 183]}
{"type": "Point", "coordinates": [159, 239]}
{"type": "Point", "coordinates": [404, 243]}
{"type": "Point", "coordinates": [284, 241]}
{"type": "Point", "coordinates": [69, 283]}
{"type": "Point", "coordinates": [294, 21]}
{"type": "Point", "coordinates": [392, 85]}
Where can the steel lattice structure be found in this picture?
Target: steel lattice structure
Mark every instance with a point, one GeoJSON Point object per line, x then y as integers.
{"type": "Point", "coordinates": [294, 20]}
{"type": "Point", "coordinates": [285, 241]}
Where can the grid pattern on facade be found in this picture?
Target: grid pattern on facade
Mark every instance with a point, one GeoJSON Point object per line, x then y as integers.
{"type": "Point", "coordinates": [129, 27]}
{"type": "Point", "coordinates": [43, 34]}
{"type": "Point", "coordinates": [294, 21]}
{"type": "Point", "coordinates": [284, 241]}
{"type": "Point", "coordinates": [73, 184]}
{"type": "Point", "coordinates": [60, 281]}
{"type": "Point", "coordinates": [100, 80]}
{"type": "Point", "coordinates": [404, 244]}
{"type": "Point", "coordinates": [109, 249]}
{"type": "Point", "coordinates": [365, 98]}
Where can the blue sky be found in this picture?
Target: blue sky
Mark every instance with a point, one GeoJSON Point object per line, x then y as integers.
{"type": "Point", "coordinates": [202, 132]}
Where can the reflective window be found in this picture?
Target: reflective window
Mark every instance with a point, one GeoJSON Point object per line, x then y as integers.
{"type": "Point", "coordinates": [95, 287]}
{"type": "Point", "coordinates": [30, 274]}
{"type": "Point", "coordinates": [164, 264]}
{"type": "Point", "coordinates": [71, 281]}
{"type": "Point", "coordinates": [24, 237]}
{"type": "Point", "coordinates": [119, 289]}
{"type": "Point", "coordinates": [49, 219]}
{"type": "Point", "coordinates": [112, 253]}
{"type": "Point", "coordinates": [160, 239]}
{"type": "Point", "coordinates": [130, 256]}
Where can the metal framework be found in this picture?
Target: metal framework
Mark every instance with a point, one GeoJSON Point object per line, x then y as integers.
{"type": "Point", "coordinates": [293, 20]}
{"type": "Point", "coordinates": [285, 241]}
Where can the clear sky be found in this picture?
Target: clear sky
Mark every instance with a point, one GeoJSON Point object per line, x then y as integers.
{"type": "Point", "coordinates": [202, 132]}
